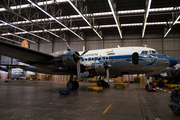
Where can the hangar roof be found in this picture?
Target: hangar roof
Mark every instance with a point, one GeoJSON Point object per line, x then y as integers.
{"type": "Point", "coordinates": [31, 19]}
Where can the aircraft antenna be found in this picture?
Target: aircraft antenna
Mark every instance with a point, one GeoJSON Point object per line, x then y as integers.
{"type": "Point", "coordinates": [144, 45]}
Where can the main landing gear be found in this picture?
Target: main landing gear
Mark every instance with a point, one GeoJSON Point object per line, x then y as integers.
{"type": "Point", "coordinates": [102, 83]}
{"type": "Point", "coordinates": [72, 85]}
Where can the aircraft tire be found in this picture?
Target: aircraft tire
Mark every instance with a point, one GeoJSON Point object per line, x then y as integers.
{"type": "Point", "coordinates": [103, 83]}
{"type": "Point", "coordinates": [146, 87]}
{"type": "Point", "coordinates": [76, 85]}
{"type": "Point", "coordinates": [99, 83]}
{"type": "Point", "coordinates": [70, 85]}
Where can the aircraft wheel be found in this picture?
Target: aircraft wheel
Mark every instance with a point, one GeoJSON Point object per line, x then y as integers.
{"type": "Point", "coordinates": [146, 87]}
{"type": "Point", "coordinates": [103, 83]}
{"type": "Point", "coordinates": [99, 83]}
{"type": "Point", "coordinates": [70, 85]}
{"type": "Point", "coordinates": [76, 85]}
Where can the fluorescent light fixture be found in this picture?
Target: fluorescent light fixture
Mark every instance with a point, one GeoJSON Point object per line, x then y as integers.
{"type": "Point", "coordinates": [176, 20]}
{"type": "Point", "coordinates": [84, 18]}
{"type": "Point", "coordinates": [24, 30]}
{"type": "Point", "coordinates": [93, 14]}
{"type": "Point", "coordinates": [78, 12]}
{"type": "Point", "coordinates": [167, 32]}
{"type": "Point", "coordinates": [107, 26]}
{"type": "Point", "coordinates": [88, 27]}
{"type": "Point", "coordinates": [131, 24]}
{"type": "Point", "coordinates": [54, 18]}
{"type": "Point", "coordinates": [131, 11]}
{"type": "Point", "coordinates": [100, 14]}
{"type": "Point", "coordinates": [156, 23]}
{"type": "Point", "coordinates": [2, 9]}
{"type": "Point", "coordinates": [97, 33]}
{"type": "Point", "coordinates": [161, 9]}
{"type": "Point", "coordinates": [115, 18]}
{"type": "Point", "coordinates": [10, 40]}
{"type": "Point", "coordinates": [23, 38]}
{"type": "Point", "coordinates": [146, 16]}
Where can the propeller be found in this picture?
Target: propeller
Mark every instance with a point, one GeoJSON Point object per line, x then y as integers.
{"type": "Point", "coordinates": [78, 61]}
{"type": "Point", "coordinates": [107, 66]}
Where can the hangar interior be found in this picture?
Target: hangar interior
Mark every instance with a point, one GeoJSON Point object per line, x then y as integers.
{"type": "Point", "coordinates": [87, 24]}
{"type": "Point", "coordinates": [132, 18]}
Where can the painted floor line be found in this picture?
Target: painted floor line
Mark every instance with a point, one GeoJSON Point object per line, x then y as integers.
{"type": "Point", "coordinates": [107, 108]}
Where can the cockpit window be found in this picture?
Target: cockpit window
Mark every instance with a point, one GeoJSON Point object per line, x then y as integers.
{"type": "Point", "coordinates": [145, 52]}
{"type": "Point", "coordinates": [154, 52]}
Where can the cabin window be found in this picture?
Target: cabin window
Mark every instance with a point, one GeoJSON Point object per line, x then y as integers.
{"type": "Point", "coordinates": [85, 59]}
{"type": "Point", "coordinates": [92, 59]}
{"type": "Point", "coordinates": [89, 59]}
{"type": "Point", "coordinates": [135, 58]}
{"type": "Point", "coordinates": [106, 58]}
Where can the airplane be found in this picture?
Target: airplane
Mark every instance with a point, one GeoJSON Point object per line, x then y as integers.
{"type": "Point", "coordinates": [111, 62]}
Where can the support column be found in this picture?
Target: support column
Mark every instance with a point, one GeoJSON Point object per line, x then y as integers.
{"type": "Point", "coordinates": [38, 45]}
{"type": "Point", "coordinates": [129, 79]}
{"type": "Point", "coordinates": [52, 50]}
{"type": "Point", "coordinates": [50, 77]}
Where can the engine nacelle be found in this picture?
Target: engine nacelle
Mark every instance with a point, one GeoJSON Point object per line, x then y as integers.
{"type": "Point", "coordinates": [69, 59]}
{"type": "Point", "coordinates": [86, 74]}
{"type": "Point", "coordinates": [100, 67]}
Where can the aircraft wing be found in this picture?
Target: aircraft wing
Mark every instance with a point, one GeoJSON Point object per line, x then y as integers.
{"type": "Point", "coordinates": [24, 54]}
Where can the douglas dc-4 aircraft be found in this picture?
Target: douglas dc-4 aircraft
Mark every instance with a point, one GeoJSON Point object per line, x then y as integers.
{"type": "Point", "coordinates": [111, 62]}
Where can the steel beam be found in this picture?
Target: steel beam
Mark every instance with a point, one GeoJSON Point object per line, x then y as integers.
{"type": "Point", "coordinates": [80, 12]}
{"type": "Point", "coordinates": [113, 10]}
{"type": "Point", "coordinates": [54, 18]}
{"type": "Point", "coordinates": [148, 5]}
{"type": "Point", "coordinates": [169, 25]}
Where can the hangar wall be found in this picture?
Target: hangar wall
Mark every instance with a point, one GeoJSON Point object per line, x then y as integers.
{"type": "Point", "coordinates": [169, 45]}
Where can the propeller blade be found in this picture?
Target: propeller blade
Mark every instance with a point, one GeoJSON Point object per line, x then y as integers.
{"type": "Point", "coordinates": [71, 49]}
{"type": "Point", "coordinates": [84, 52]}
{"type": "Point", "coordinates": [78, 69]}
{"type": "Point", "coordinates": [103, 60]}
{"type": "Point", "coordinates": [111, 61]}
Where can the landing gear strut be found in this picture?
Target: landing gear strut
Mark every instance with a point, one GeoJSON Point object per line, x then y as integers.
{"type": "Point", "coordinates": [102, 82]}
{"type": "Point", "coordinates": [72, 85]}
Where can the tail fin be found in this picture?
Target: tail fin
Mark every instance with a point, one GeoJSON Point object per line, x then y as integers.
{"type": "Point", "coordinates": [25, 44]}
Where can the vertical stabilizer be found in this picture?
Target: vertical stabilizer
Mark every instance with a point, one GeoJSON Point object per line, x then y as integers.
{"type": "Point", "coordinates": [25, 44]}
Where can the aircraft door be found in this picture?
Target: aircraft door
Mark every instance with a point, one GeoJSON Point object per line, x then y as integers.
{"type": "Point", "coordinates": [135, 58]}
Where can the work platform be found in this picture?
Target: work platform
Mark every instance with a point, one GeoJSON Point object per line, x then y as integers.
{"type": "Point", "coordinates": [121, 85]}
{"type": "Point", "coordinates": [173, 85]}
{"type": "Point", "coordinates": [96, 88]}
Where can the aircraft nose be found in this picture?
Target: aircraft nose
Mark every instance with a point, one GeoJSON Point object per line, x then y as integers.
{"type": "Point", "coordinates": [172, 61]}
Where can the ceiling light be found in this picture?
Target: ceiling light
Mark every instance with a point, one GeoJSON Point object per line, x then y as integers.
{"type": "Point", "coordinates": [109, 1]}
{"type": "Point", "coordinates": [146, 16]}
{"type": "Point", "coordinates": [54, 18]}
{"type": "Point", "coordinates": [83, 18]}
{"type": "Point", "coordinates": [167, 32]}
{"type": "Point", "coordinates": [10, 40]}
{"type": "Point", "coordinates": [24, 30]}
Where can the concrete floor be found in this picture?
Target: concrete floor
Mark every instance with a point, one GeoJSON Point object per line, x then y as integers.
{"type": "Point", "coordinates": [31, 100]}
